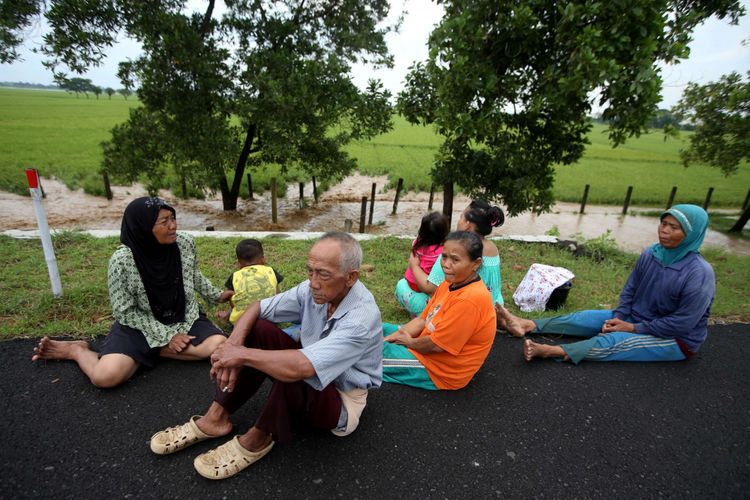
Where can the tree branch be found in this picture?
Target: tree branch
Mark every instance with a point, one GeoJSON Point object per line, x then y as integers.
{"type": "Point", "coordinates": [206, 23]}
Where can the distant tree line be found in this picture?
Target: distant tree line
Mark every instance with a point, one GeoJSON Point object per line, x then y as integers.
{"type": "Point", "coordinates": [662, 118]}
{"type": "Point", "coordinates": [28, 85]}
{"type": "Point", "coordinates": [73, 85]}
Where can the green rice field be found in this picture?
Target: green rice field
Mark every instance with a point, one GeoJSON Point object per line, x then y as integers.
{"type": "Point", "coordinates": [60, 135]}
{"type": "Point", "coordinates": [57, 133]}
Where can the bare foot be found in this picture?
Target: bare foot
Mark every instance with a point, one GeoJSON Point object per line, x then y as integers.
{"type": "Point", "coordinates": [511, 324]}
{"type": "Point", "coordinates": [501, 324]}
{"type": "Point", "coordinates": [533, 350]}
{"type": "Point", "coordinates": [58, 349]}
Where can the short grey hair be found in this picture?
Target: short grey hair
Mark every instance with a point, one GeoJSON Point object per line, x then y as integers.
{"type": "Point", "coordinates": [351, 252]}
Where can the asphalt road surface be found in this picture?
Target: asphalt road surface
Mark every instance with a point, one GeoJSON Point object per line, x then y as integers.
{"type": "Point", "coordinates": [520, 430]}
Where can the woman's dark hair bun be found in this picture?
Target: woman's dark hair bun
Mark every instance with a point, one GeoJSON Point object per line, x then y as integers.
{"type": "Point", "coordinates": [497, 216]}
{"type": "Point", "coordinates": [484, 216]}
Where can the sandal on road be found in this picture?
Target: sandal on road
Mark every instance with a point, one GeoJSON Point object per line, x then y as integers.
{"type": "Point", "coordinates": [176, 438]}
{"type": "Point", "coordinates": [228, 459]}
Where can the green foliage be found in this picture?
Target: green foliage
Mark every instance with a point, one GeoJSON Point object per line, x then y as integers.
{"type": "Point", "coordinates": [263, 83]}
{"type": "Point", "coordinates": [664, 118]}
{"type": "Point", "coordinates": [125, 92]}
{"type": "Point", "coordinates": [15, 18]}
{"type": "Point", "coordinates": [507, 84]}
{"type": "Point", "coordinates": [600, 248]}
{"type": "Point", "coordinates": [720, 112]}
{"type": "Point", "coordinates": [132, 151]}
{"type": "Point", "coordinates": [79, 85]}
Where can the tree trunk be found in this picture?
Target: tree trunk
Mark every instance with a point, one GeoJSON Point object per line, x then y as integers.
{"type": "Point", "coordinates": [226, 195]}
{"type": "Point", "coordinates": [229, 196]}
{"type": "Point", "coordinates": [740, 224]}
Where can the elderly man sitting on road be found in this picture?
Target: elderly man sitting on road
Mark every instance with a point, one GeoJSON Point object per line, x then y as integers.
{"type": "Point", "coordinates": [321, 378]}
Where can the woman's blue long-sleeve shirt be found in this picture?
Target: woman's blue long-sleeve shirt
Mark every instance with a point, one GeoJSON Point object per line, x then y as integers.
{"type": "Point", "coordinates": [669, 302]}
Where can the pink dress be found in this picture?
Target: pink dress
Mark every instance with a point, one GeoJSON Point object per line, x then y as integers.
{"type": "Point", "coordinates": [427, 257]}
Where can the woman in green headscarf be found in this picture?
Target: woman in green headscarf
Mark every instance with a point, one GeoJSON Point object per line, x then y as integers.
{"type": "Point", "coordinates": [663, 310]}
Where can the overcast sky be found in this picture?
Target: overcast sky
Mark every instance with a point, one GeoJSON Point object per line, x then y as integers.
{"type": "Point", "coordinates": [716, 50]}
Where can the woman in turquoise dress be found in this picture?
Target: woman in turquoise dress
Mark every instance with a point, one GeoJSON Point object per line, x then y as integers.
{"type": "Point", "coordinates": [479, 217]}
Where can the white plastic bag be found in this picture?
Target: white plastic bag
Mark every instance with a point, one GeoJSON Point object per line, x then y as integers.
{"type": "Point", "coordinates": [540, 281]}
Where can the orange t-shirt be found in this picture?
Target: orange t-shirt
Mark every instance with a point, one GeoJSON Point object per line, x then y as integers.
{"type": "Point", "coordinates": [462, 324]}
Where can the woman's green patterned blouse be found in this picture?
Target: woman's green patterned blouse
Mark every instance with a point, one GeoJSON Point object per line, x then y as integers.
{"type": "Point", "coordinates": [129, 301]}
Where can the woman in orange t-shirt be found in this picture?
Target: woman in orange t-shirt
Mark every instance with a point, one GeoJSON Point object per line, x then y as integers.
{"type": "Point", "coordinates": [447, 344]}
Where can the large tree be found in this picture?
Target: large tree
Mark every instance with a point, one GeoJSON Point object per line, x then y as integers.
{"type": "Point", "coordinates": [267, 81]}
{"type": "Point", "coordinates": [720, 112]}
{"type": "Point", "coordinates": [510, 85]}
{"type": "Point", "coordinates": [77, 85]}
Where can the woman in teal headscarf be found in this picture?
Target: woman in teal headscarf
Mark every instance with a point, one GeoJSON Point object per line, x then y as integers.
{"type": "Point", "coordinates": [663, 310]}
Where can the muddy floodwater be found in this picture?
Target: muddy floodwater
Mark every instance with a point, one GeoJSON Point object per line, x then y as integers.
{"type": "Point", "coordinates": [76, 210]}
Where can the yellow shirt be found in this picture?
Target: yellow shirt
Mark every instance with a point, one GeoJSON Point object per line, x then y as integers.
{"type": "Point", "coordinates": [251, 283]}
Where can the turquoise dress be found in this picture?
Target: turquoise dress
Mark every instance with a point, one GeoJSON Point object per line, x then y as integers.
{"type": "Point", "coordinates": [415, 302]}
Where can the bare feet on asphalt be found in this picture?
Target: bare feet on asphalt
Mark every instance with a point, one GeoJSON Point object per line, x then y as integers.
{"type": "Point", "coordinates": [58, 349]}
{"type": "Point", "coordinates": [508, 322]}
{"type": "Point", "coordinates": [533, 350]}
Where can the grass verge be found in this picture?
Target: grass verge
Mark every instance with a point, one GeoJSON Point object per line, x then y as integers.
{"type": "Point", "coordinates": [27, 308]}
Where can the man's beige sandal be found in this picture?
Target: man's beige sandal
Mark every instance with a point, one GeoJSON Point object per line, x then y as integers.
{"type": "Point", "coordinates": [228, 459]}
{"type": "Point", "coordinates": [176, 438]}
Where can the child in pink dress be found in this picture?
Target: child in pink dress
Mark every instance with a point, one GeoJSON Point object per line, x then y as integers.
{"type": "Point", "coordinates": [429, 244]}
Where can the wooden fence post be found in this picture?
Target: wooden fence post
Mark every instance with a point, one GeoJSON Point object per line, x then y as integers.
{"type": "Point", "coordinates": [432, 196]}
{"type": "Point", "coordinates": [301, 195]}
{"type": "Point", "coordinates": [627, 200]}
{"type": "Point", "coordinates": [273, 200]}
{"type": "Point", "coordinates": [584, 199]}
{"type": "Point", "coordinates": [448, 201]}
{"type": "Point", "coordinates": [398, 193]}
{"type": "Point", "coordinates": [107, 187]}
{"type": "Point", "coordinates": [671, 197]}
{"type": "Point", "coordinates": [250, 186]}
{"type": "Point", "coordinates": [315, 190]}
{"type": "Point", "coordinates": [183, 184]}
{"type": "Point", "coordinates": [708, 198]}
{"type": "Point", "coordinates": [362, 215]}
{"type": "Point", "coordinates": [372, 203]}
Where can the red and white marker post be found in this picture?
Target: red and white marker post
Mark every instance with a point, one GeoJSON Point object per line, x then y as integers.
{"type": "Point", "coordinates": [32, 175]}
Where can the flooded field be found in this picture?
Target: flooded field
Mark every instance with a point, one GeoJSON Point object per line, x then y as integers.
{"type": "Point", "coordinates": [76, 210]}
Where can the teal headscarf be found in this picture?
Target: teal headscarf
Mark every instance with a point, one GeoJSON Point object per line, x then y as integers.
{"type": "Point", "coordinates": [694, 222]}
